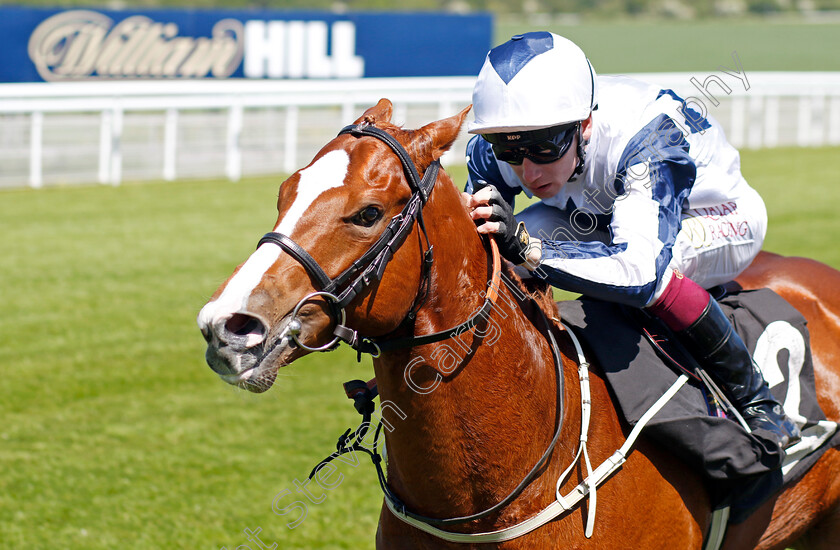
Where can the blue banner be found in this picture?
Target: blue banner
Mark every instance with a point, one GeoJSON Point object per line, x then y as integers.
{"type": "Point", "coordinates": [65, 45]}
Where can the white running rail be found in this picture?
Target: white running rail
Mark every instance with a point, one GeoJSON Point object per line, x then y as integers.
{"type": "Point", "coordinates": [55, 133]}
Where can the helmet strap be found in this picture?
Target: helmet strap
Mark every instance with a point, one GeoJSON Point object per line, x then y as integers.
{"type": "Point", "coordinates": [581, 154]}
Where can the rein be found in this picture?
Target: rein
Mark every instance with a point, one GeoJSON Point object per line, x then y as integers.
{"type": "Point", "coordinates": [587, 487]}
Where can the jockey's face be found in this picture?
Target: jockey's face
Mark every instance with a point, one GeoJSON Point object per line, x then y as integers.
{"type": "Point", "coordinates": [546, 180]}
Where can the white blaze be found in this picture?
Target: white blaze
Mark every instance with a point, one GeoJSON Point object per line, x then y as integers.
{"type": "Point", "coordinates": [326, 173]}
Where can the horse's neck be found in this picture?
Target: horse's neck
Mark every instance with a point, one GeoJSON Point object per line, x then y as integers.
{"type": "Point", "coordinates": [479, 411]}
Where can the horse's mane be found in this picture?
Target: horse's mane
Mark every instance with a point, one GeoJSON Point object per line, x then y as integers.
{"type": "Point", "coordinates": [539, 290]}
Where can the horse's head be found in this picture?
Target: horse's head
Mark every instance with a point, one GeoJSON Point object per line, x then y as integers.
{"type": "Point", "coordinates": [330, 215]}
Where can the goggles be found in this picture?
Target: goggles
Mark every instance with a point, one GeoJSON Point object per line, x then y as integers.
{"type": "Point", "coordinates": [542, 146]}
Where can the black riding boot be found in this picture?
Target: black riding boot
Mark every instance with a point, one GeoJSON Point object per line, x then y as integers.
{"type": "Point", "coordinates": [721, 351]}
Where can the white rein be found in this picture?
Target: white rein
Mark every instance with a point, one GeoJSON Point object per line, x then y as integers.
{"type": "Point", "coordinates": [586, 487]}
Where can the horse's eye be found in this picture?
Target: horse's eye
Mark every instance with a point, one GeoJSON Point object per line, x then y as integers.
{"type": "Point", "coordinates": [367, 216]}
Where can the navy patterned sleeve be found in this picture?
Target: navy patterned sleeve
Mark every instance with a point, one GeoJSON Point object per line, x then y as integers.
{"type": "Point", "coordinates": [654, 177]}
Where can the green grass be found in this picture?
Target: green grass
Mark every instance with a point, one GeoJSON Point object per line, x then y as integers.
{"type": "Point", "coordinates": [115, 434]}
{"type": "Point", "coordinates": [800, 188]}
{"type": "Point", "coordinates": [628, 46]}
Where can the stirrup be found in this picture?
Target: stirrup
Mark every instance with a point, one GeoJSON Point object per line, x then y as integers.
{"type": "Point", "coordinates": [776, 424]}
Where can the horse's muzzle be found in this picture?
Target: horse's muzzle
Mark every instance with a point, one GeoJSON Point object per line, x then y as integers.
{"type": "Point", "coordinates": [244, 350]}
{"type": "Point", "coordinates": [234, 341]}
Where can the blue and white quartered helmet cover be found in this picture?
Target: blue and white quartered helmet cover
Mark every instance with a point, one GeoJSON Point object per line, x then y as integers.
{"type": "Point", "coordinates": [534, 80]}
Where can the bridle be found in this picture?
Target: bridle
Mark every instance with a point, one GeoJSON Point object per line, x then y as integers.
{"type": "Point", "coordinates": [344, 288]}
{"type": "Point", "coordinates": [370, 266]}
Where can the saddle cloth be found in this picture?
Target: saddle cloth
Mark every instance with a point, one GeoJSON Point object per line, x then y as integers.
{"type": "Point", "coordinates": [728, 457]}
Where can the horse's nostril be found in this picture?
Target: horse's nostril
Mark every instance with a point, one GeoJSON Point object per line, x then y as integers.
{"type": "Point", "coordinates": [243, 325]}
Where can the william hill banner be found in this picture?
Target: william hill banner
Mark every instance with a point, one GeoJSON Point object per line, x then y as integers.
{"type": "Point", "coordinates": [65, 45]}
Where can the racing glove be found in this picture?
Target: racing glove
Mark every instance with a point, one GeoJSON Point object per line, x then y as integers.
{"type": "Point", "coordinates": [512, 237]}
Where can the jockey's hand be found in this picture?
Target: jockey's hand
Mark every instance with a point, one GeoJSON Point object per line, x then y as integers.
{"type": "Point", "coordinates": [494, 216]}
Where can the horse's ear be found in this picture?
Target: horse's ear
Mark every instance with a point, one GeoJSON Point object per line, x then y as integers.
{"type": "Point", "coordinates": [443, 133]}
{"type": "Point", "coordinates": [381, 112]}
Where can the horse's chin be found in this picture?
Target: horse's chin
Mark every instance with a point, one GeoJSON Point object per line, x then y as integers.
{"type": "Point", "coordinates": [261, 383]}
{"type": "Point", "coordinates": [261, 376]}
{"type": "Point", "coordinates": [255, 380]}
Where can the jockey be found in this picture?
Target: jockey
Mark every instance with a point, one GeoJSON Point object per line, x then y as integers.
{"type": "Point", "coordinates": [642, 201]}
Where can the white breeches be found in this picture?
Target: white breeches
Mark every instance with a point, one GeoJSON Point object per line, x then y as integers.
{"type": "Point", "coordinates": [714, 245]}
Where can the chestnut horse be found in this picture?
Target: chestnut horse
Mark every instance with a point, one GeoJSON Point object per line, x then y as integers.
{"type": "Point", "coordinates": [478, 427]}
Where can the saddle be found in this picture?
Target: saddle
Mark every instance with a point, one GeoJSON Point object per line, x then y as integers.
{"type": "Point", "coordinates": [693, 425]}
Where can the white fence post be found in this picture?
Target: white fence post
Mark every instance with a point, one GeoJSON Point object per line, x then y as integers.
{"type": "Point", "coordinates": [771, 121]}
{"type": "Point", "coordinates": [755, 132]}
{"type": "Point", "coordinates": [819, 105]}
{"type": "Point", "coordinates": [400, 115]}
{"type": "Point", "coordinates": [834, 121]}
{"type": "Point", "coordinates": [233, 162]}
{"type": "Point", "coordinates": [290, 150]}
{"type": "Point", "coordinates": [170, 143]}
{"type": "Point", "coordinates": [347, 113]}
{"type": "Point", "coordinates": [803, 123]}
{"type": "Point", "coordinates": [737, 123]}
{"type": "Point", "coordinates": [105, 144]}
{"type": "Point", "coordinates": [116, 145]}
{"type": "Point", "coordinates": [36, 150]}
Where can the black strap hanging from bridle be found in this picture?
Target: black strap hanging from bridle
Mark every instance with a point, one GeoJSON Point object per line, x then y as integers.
{"type": "Point", "coordinates": [363, 395]}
